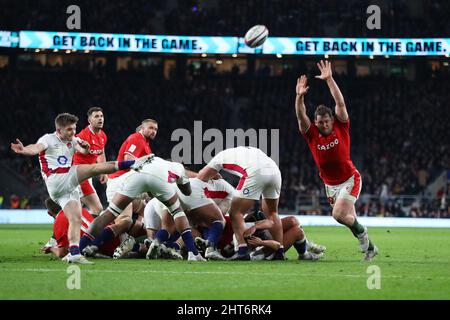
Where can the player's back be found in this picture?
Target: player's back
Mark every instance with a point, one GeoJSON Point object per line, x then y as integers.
{"type": "Point", "coordinates": [248, 159]}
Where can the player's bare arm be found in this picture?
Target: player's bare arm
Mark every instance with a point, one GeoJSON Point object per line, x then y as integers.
{"type": "Point", "coordinates": [207, 173]}
{"type": "Point", "coordinates": [102, 158]}
{"type": "Point", "coordinates": [256, 242]}
{"type": "Point", "coordinates": [326, 74]}
{"type": "Point", "coordinates": [300, 109]}
{"type": "Point", "coordinates": [29, 150]}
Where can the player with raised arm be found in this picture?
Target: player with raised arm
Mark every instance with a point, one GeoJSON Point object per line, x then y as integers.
{"type": "Point", "coordinates": [328, 139]}
{"type": "Point", "coordinates": [55, 152]}
{"type": "Point", "coordinates": [259, 175]}
{"type": "Point", "coordinates": [96, 137]}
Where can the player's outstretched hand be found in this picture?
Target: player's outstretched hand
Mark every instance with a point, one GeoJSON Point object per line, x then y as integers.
{"type": "Point", "coordinates": [84, 144]}
{"type": "Point", "coordinates": [301, 89]}
{"type": "Point", "coordinates": [325, 70]}
{"type": "Point", "coordinates": [17, 147]}
{"type": "Point", "coordinates": [103, 178]}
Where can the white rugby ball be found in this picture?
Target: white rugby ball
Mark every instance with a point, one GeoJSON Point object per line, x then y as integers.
{"type": "Point", "coordinates": [256, 36]}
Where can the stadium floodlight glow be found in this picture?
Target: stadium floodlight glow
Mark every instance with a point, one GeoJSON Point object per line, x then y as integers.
{"type": "Point", "coordinates": [386, 56]}
{"type": "Point", "coordinates": [86, 51]}
{"type": "Point", "coordinates": [327, 56]}
{"type": "Point", "coordinates": [447, 55]}
{"type": "Point", "coordinates": [219, 61]}
{"type": "Point", "coordinates": [371, 57]}
{"type": "Point", "coordinates": [55, 50]}
{"type": "Point", "coordinates": [68, 51]}
{"type": "Point", "coordinates": [279, 55]}
{"type": "Point", "coordinates": [234, 55]}
{"type": "Point", "coordinates": [204, 55]}
{"type": "Point", "coordinates": [37, 50]}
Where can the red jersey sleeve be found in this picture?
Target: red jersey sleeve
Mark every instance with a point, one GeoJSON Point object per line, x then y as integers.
{"type": "Point", "coordinates": [82, 135]}
{"type": "Point", "coordinates": [60, 228]}
{"type": "Point", "coordinates": [135, 146]}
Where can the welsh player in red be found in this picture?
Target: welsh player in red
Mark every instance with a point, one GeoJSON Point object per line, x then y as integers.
{"type": "Point", "coordinates": [328, 139]}
{"type": "Point", "coordinates": [61, 229]}
{"type": "Point", "coordinates": [96, 137]}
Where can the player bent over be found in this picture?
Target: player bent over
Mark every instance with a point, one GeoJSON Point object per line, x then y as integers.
{"type": "Point", "coordinates": [55, 152]}
{"type": "Point", "coordinates": [259, 175]}
{"type": "Point", "coordinates": [154, 178]}
{"type": "Point", "coordinates": [328, 139]}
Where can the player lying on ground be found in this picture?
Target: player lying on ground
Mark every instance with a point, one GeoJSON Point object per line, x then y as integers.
{"type": "Point", "coordinates": [328, 139]}
{"type": "Point", "coordinates": [259, 176]}
{"type": "Point", "coordinates": [55, 152]}
{"type": "Point", "coordinates": [61, 228]}
{"type": "Point", "coordinates": [204, 207]}
{"type": "Point", "coordinates": [263, 245]}
{"type": "Point", "coordinates": [156, 178]}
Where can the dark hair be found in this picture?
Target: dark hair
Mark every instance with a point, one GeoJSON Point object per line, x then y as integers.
{"type": "Point", "coordinates": [52, 206]}
{"type": "Point", "coordinates": [92, 110]}
{"type": "Point", "coordinates": [323, 110]}
{"type": "Point", "coordinates": [64, 119]}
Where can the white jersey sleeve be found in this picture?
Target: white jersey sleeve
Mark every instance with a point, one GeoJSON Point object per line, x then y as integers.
{"type": "Point", "coordinates": [216, 163]}
{"type": "Point", "coordinates": [44, 140]}
{"type": "Point", "coordinates": [177, 173]}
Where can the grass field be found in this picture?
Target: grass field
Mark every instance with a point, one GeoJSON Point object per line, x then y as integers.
{"type": "Point", "coordinates": [414, 264]}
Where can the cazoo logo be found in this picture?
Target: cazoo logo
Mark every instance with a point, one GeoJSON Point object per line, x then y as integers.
{"type": "Point", "coordinates": [328, 146]}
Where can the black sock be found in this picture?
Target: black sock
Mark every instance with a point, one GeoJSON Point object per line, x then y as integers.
{"type": "Point", "coordinates": [300, 246]}
{"type": "Point", "coordinates": [357, 228]}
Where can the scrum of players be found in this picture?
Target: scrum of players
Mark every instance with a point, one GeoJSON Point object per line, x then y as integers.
{"type": "Point", "coordinates": [158, 209]}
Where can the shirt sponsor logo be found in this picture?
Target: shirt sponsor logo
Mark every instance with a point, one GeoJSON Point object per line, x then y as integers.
{"type": "Point", "coordinates": [328, 146]}
{"type": "Point", "coordinates": [62, 160]}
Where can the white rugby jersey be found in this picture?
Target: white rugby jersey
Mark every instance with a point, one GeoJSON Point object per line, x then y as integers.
{"type": "Point", "coordinates": [241, 161]}
{"type": "Point", "coordinates": [57, 156]}
{"type": "Point", "coordinates": [217, 190]}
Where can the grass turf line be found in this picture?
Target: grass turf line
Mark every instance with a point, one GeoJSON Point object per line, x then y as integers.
{"type": "Point", "coordinates": [414, 264]}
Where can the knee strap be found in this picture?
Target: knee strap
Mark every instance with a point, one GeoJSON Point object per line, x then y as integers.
{"type": "Point", "coordinates": [115, 210]}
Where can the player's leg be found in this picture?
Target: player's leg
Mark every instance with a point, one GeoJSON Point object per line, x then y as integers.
{"type": "Point", "coordinates": [239, 206]}
{"type": "Point", "coordinates": [120, 204]}
{"type": "Point", "coordinates": [293, 234]}
{"type": "Point", "coordinates": [90, 197]}
{"type": "Point", "coordinates": [182, 226]}
{"type": "Point", "coordinates": [271, 195]}
{"type": "Point", "coordinates": [344, 212]}
{"type": "Point", "coordinates": [86, 171]}
{"type": "Point", "coordinates": [211, 215]}
{"type": "Point", "coordinates": [72, 210]}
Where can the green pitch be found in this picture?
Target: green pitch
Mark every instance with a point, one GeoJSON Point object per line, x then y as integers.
{"type": "Point", "coordinates": [414, 264]}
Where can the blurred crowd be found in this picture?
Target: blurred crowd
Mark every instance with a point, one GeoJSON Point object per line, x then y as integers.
{"type": "Point", "coordinates": [400, 18]}
{"type": "Point", "coordinates": [399, 127]}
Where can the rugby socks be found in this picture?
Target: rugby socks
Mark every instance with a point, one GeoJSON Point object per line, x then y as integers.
{"type": "Point", "coordinates": [136, 247]}
{"type": "Point", "coordinates": [162, 235]}
{"type": "Point", "coordinates": [107, 234]}
{"type": "Point", "coordinates": [356, 228]}
{"type": "Point", "coordinates": [74, 249]}
{"type": "Point", "coordinates": [85, 241]}
{"type": "Point", "coordinates": [189, 241]}
{"type": "Point", "coordinates": [300, 246]}
{"type": "Point", "coordinates": [215, 231]}
{"type": "Point", "coordinates": [174, 237]}
{"type": "Point", "coordinates": [242, 249]}
{"type": "Point", "coordinates": [126, 164]}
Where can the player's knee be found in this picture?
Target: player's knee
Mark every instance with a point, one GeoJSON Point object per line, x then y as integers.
{"type": "Point", "coordinates": [293, 221]}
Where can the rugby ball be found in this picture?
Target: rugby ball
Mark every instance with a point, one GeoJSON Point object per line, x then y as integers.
{"type": "Point", "coordinates": [256, 36]}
